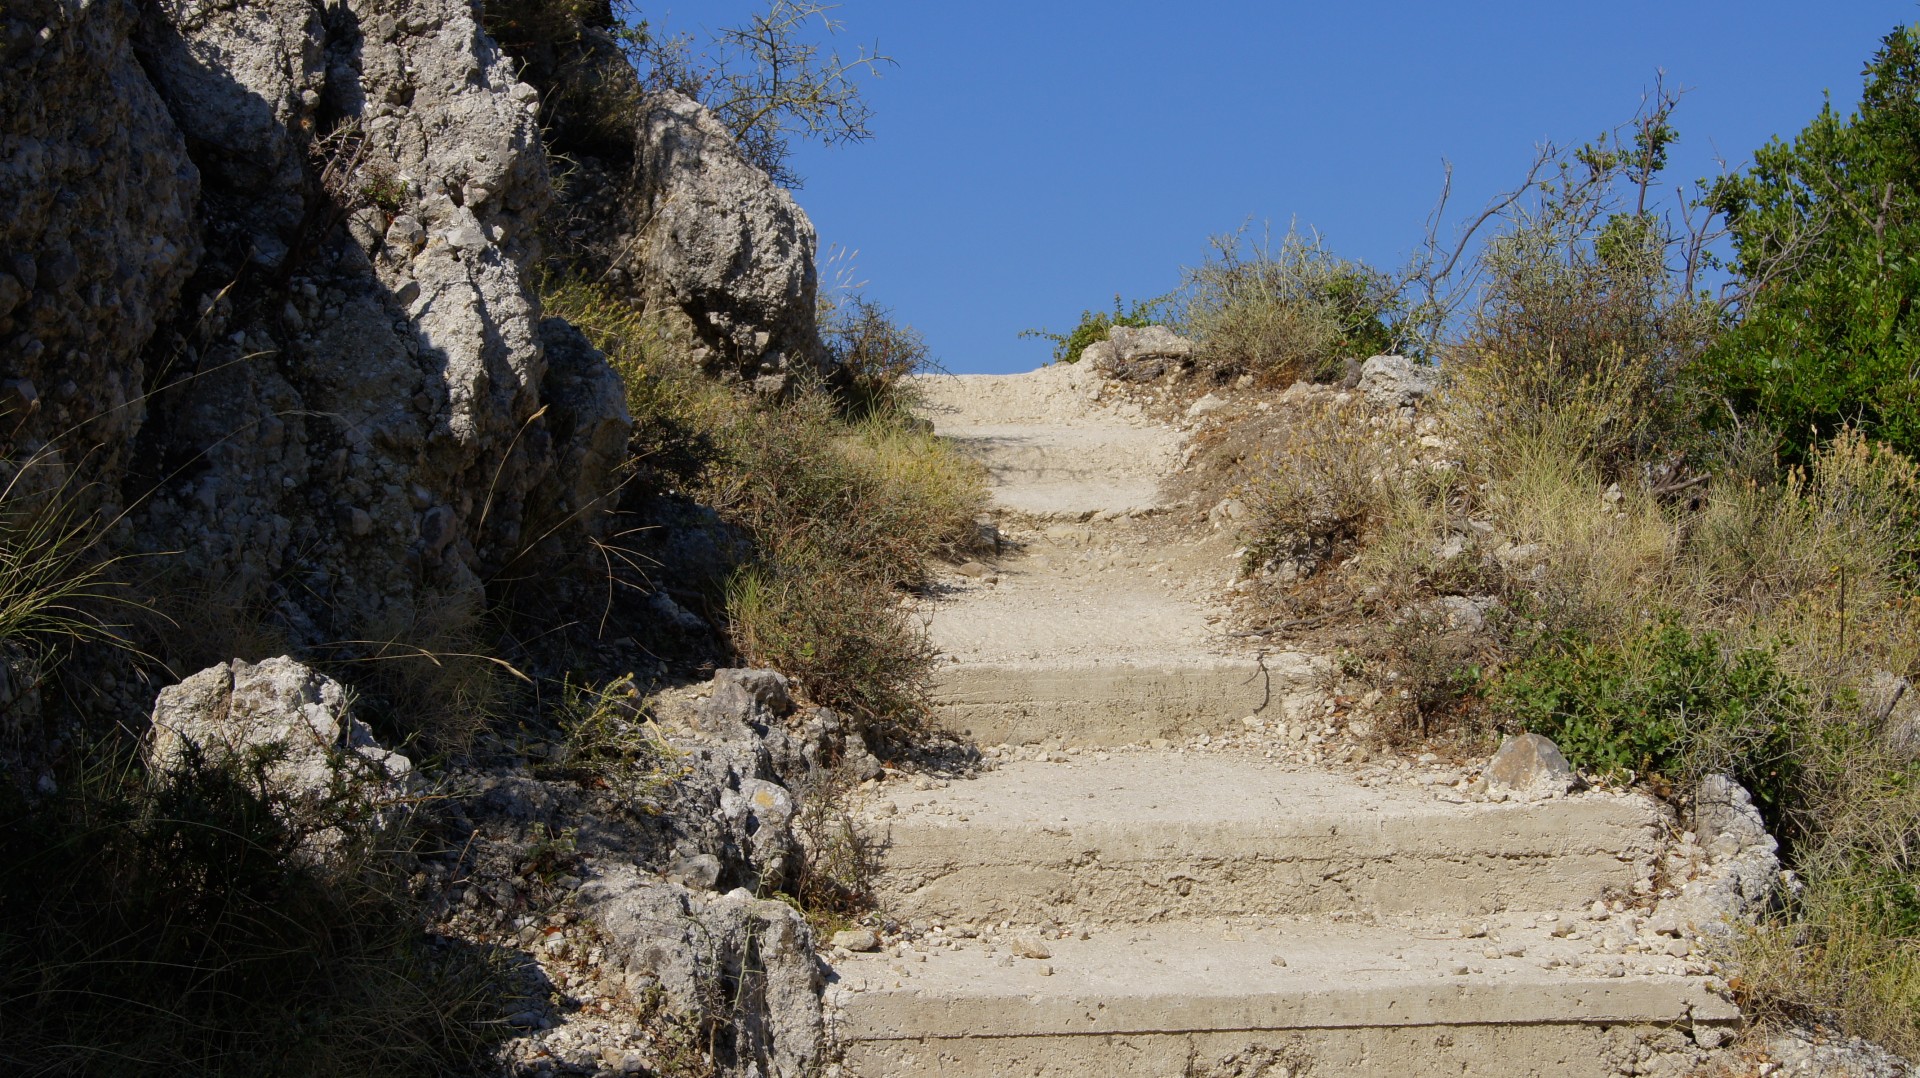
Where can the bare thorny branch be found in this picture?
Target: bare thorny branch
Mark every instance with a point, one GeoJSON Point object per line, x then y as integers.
{"type": "Point", "coordinates": [1579, 192]}
{"type": "Point", "coordinates": [769, 81]}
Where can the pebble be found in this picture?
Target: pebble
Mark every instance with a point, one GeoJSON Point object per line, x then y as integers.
{"type": "Point", "coordinates": [863, 940]}
{"type": "Point", "coordinates": [1030, 948]}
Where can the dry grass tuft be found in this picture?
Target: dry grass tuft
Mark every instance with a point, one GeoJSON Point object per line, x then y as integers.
{"type": "Point", "coordinates": [1284, 311]}
{"type": "Point", "coordinates": [847, 501]}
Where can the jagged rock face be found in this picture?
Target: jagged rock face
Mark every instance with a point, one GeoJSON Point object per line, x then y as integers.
{"type": "Point", "coordinates": [660, 201]}
{"type": "Point", "coordinates": [351, 408]}
{"type": "Point", "coordinates": [97, 236]}
{"type": "Point", "coordinates": [1390, 382]}
{"type": "Point", "coordinates": [721, 241]}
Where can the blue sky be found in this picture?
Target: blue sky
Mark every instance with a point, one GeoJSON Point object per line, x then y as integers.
{"type": "Point", "coordinates": [1033, 159]}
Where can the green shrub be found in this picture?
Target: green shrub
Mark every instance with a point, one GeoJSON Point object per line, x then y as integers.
{"type": "Point", "coordinates": [1285, 312]}
{"type": "Point", "coordinates": [845, 639]}
{"type": "Point", "coordinates": [873, 500]}
{"type": "Point", "coordinates": [1668, 702]}
{"type": "Point", "coordinates": [844, 517]}
{"type": "Point", "coordinates": [1093, 327]}
{"type": "Point", "coordinates": [1578, 340]}
{"type": "Point", "coordinates": [845, 500]}
{"type": "Point", "coordinates": [1826, 231]}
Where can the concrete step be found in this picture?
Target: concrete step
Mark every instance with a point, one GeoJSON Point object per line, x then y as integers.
{"type": "Point", "coordinates": [1213, 999]}
{"type": "Point", "coordinates": [1087, 702]}
{"type": "Point", "coordinates": [1070, 473]}
{"type": "Point", "coordinates": [1155, 836]}
{"type": "Point", "coordinates": [1019, 451]}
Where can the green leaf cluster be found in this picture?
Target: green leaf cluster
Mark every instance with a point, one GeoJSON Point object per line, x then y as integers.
{"type": "Point", "coordinates": [1826, 230]}
{"type": "Point", "coordinates": [1093, 327]}
{"type": "Point", "coordinates": [1667, 701]}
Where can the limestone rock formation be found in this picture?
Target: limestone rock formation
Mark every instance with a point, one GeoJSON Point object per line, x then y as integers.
{"type": "Point", "coordinates": [730, 958]}
{"type": "Point", "coordinates": [720, 240]}
{"type": "Point", "coordinates": [317, 765]}
{"type": "Point", "coordinates": [352, 410]}
{"type": "Point", "coordinates": [1390, 382]}
{"type": "Point", "coordinates": [735, 804]}
{"type": "Point", "coordinates": [660, 202]}
{"type": "Point", "coordinates": [1138, 354]}
{"type": "Point", "coordinates": [98, 233]}
{"type": "Point", "coordinates": [1742, 866]}
{"type": "Point", "coordinates": [662, 897]}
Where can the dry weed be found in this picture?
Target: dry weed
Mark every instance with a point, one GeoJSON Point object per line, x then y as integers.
{"type": "Point", "coordinates": [1315, 497]}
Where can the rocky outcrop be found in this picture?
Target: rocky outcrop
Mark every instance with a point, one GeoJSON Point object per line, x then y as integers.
{"type": "Point", "coordinates": [97, 238]}
{"type": "Point", "coordinates": [1737, 864]}
{"type": "Point", "coordinates": [1392, 382]}
{"type": "Point", "coordinates": [660, 202]}
{"type": "Point", "coordinates": [283, 730]}
{"type": "Point", "coordinates": [718, 239]}
{"type": "Point", "coordinates": [736, 963]}
{"type": "Point", "coordinates": [1139, 354]}
{"type": "Point", "coordinates": [353, 409]}
{"type": "Point", "coordinates": [652, 894]}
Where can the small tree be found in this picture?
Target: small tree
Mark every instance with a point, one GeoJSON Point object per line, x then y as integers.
{"type": "Point", "coordinates": [1826, 230]}
{"type": "Point", "coordinates": [1588, 305]}
{"type": "Point", "coordinates": [768, 80]}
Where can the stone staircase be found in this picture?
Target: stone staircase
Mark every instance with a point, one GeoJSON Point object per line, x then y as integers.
{"type": "Point", "coordinates": [1162, 876]}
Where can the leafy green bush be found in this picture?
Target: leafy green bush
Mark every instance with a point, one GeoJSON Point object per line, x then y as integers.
{"type": "Point", "coordinates": [1668, 701]}
{"type": "Point", "coordinates": [1826, 230]}
{"type": "Point", "coordinates": [1287, 311]}
{"type": "Point", "coordinates": [1093, 327]}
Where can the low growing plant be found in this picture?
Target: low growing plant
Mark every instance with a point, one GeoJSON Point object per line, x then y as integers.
{"type": "Point", "coordinates": [875, 356]}
{"type": "Point", "coordinates": [1668, 701]}
{"type": "Point", "coordinates": [1285, 311]}
{"type": "Point", "coordinates": [1315, 497]}
{"type": "Point", "coordinates": [1094, 326]}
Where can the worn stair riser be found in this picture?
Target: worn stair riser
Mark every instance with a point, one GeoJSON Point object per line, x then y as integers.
{"type": "Point", "coordinates": [1121, 892]}
{"type": "Point", "coordinates": [1117, 704]}
{"type": "Point", "coordinates": [1548, 1050]}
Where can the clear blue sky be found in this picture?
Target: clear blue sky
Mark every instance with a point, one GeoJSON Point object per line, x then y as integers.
{"type": "Point", "coordinates": [1031, 159]}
